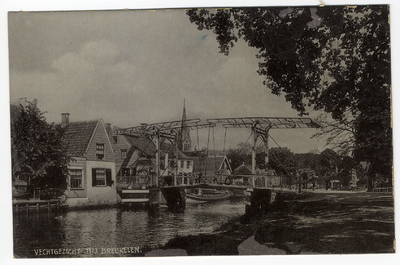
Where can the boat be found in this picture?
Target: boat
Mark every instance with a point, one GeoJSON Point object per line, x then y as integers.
{"type": "Point", "coordinates": [208, 194]}
{"type": "Point", "coordinates": [133, 193]}
{"type": "Point", "coordinates": [135, 196]}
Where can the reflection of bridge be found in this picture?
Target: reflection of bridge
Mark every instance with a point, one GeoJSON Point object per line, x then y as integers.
{"type": "Point", "coordinates": [259, 126]}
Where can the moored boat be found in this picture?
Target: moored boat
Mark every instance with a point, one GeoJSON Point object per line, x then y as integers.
{"type": "Point", "coordinates": [208, 194]}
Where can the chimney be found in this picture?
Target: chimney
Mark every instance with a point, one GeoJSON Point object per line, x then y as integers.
{"type": "Point", "coordinates": [64, 119]}
{"type": "Point", "coordinates": [109, 131]}
{"type": "Point", "coordinates": [114, 135]}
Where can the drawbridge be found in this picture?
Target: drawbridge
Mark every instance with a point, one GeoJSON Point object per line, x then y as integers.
{"type": "Point", "coordinates": [174, 191]}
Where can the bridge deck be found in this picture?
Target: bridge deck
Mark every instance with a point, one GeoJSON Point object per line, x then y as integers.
{"type": "Point", "coordinates": [228, 187]}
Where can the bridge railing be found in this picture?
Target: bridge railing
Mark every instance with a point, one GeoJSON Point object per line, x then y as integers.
{"type": "Point", "coordinates": [134, 182]}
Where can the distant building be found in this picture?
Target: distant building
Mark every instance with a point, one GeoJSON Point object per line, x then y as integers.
{"type": "Point", "coordinates": [134, 156]}
{"type": "Point", "coordinates": [242, 175]}
{"type": "Point", "coordinates": [92, 170]}
{"type": "Point", "coordinates": [136, 162]}
{"type": "Point", "coordinates": [185, 141]}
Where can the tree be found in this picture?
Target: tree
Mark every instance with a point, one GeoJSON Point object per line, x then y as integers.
{"type": "Point", "coordinates": [282, 160]}
{"type": "Point", "coordinates": [239, 155]}
{"type": "Point", "coordinates": [335, 59]}
{"type": "Point", "coordinates": [242, 154]}
{"type": "Point", "coordinates": [38, 150]}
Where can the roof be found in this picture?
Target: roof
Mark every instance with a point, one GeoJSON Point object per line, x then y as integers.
{"type": "Point", "coordinates": [141, 164]}
{"type": "Point", "coordinates": [242, 170]}
{"type": "Point", "coordinates": [144, 144]}
{"type": "Point", "coordinates": [78, 135]}
{"type": "Point", "coordinates": [209, 165]}
{"type": "Point", "coordinates": [168, 148]}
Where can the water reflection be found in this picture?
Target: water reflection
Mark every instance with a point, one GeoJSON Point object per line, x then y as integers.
{"type": "Point", "coordinates": [115, 228]}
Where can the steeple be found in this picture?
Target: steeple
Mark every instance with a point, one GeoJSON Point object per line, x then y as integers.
{"type": "Point", "coordinates": [184, 111]}
{"type": "Point", "coordinates": [186, 142]}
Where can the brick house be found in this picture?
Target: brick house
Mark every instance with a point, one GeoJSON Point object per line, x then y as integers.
{"type": "Point", "coordinates": [92, 170]}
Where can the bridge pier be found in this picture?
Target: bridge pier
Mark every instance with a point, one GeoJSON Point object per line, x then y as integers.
{"type": "Point", "coordinates": [156, 197]}
{"type": "Point", "coordinates": [258, 200]}
{"type": "Point", "coordinates": [175, 198]}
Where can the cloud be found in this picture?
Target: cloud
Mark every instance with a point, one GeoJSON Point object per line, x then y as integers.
{"type": "Point", "coordinates": [134, 67]}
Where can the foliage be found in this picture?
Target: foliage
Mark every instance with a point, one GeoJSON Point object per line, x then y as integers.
{"type": "Point", "coordinates": [328, 165]}
{"type": "Point", "coordinates": [282, 160]}
{"type": "Point", "coordinates": [334, 59]}
{"type": "Point", "coordinates": [39, 154]}
{"type": "Point", "coordinates": [239, 155]}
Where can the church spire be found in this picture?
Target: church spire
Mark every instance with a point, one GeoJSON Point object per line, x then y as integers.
{"type": "Point", "coordinates": [184, 111]}
{"type": "Point", "coordinates": [186, 142]}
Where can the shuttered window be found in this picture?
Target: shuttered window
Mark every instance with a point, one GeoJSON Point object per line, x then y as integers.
{"type": "Point", "coordinates": [101, 177]}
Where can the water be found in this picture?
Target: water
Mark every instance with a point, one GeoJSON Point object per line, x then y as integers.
{"type": "Point", "coordinates": [89, 233]}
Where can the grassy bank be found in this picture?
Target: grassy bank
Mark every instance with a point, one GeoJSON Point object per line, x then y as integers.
{"type": "Point", "coordinates": [324, 223]}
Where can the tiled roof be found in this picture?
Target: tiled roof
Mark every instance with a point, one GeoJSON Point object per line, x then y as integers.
{"type": "Point", "coordinates": [168, 148]}
{"type": "Point", "coordinates": [242, 170]}
{"type": "Point", "coordinates": [77, 136]}
{"type": "Point", "coordinates": [209, 165]}
{"type": "Point", "coordinates": [144, 144]}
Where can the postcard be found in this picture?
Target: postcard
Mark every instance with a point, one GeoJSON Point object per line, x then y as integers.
{"type": "Point", "coordinates": [260, 130]}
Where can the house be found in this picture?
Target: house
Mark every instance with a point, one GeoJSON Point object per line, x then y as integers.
{"type": "Point", "coordinates": [136, 163]}
{"type": "Point", "coordinates": [212, 168]}
{"type": "Point", "coordinates": [134, 160]}
{"type": "Point", "coordinates": [92, 170]}
{"type": "Point", "coordinates": [184, 169]}
{"type": "Point", "coordinates": [242, 175]}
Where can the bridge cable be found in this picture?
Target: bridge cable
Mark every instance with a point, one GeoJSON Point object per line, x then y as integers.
{"type": "Point", "coordinates": [198, 141]}
{"type": "Point", "coordinates": [206, 158]}
{"type": "Point", "coordinates": [223, 152]}
{"type": "Point", "coordinates": [215, 155]}
{"type": "Point", "coordinates": [279, 160]}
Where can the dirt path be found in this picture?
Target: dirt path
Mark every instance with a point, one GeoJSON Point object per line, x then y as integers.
{"type": "Point", "coordinates": [325, 223]}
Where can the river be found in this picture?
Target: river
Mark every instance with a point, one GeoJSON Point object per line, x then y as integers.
{"type": "Point", "coordinates": [114, 231]}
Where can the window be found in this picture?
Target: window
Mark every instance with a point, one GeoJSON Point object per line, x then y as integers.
{"type": "Point", "coordinates": [187, 164]}
{"type": "Point", "coordinates": [99, 151]}
{"type": "Point", "coordinates": [75, 178]}
{"type": "Point", "coordinates": [101, 177]}
{"type": "Point", "coordinates": [123, 153]}
{"type": "Point", "coordinates": [182, 164]}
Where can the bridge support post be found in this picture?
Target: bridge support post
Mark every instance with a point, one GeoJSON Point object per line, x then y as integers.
{"type": "Point", "coordinates": [156, 197]}
{"type": "Point", "coordinates": [175, 198]}
{"type": "Point", "coordinates": [258, 200]}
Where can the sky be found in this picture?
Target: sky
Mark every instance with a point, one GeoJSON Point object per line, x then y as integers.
{"type": "Point", "coordinates": [140, 66]}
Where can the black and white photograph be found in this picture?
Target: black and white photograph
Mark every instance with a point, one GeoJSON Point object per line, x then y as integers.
{"type": "Point", "coordinates": [200, 131]}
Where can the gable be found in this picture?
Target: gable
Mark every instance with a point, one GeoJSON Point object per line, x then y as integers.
{"type": "Point", "coordinates": [100, 137]}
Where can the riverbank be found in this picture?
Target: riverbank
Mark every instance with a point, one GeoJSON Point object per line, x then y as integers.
{"type": "Point", "coordinates": [320, 223]}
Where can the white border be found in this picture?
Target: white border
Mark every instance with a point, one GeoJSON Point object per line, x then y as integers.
{"type": "Point", "coordinates": [6, 248]}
